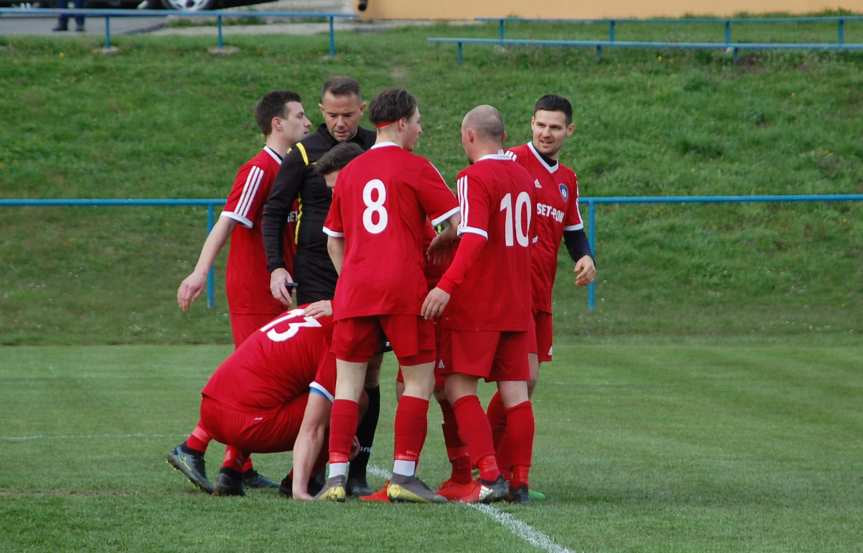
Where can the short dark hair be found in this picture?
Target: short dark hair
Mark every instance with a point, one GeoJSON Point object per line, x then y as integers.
{"type": "Point", "coordinates": [337, 157]}
{"type": "Point", "coordinates": [553, 102]}
{"type": "Point", "coordinates": [391, 105]}
{"type": "Point", "coordinates": [341, 86]}
{"type": "Point", "coordinates": [273, 105]}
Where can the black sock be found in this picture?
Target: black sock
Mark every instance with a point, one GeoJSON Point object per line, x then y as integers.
{"type": "Point", "coordinates": [235, 474]}
{"type": "Point", "coordinates": [366, 434]}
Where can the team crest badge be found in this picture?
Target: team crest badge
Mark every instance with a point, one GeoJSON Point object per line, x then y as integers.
{"type": "Point", "coordinates": [564, 191]}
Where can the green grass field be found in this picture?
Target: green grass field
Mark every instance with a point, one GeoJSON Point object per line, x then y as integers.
{"type": "Point", "coordinates": [692, 446]}
{"type": "Point", "coordinates": [711, 403]}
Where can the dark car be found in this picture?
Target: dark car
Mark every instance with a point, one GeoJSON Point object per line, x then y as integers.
{"type": "Point", "coordinates": [191, 5]}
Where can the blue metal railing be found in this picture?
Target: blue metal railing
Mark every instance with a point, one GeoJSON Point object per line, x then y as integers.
{"type": "Point", "coordinates": [591, 203]}
{"type": "Point", "coordinates": [101, 202]}
{"type": "Point", "coordinates": [726, 23]}
{"type": "Point", "coordinates": [218, 14]}
{"type": "Point", "coordinates": [599, 45]}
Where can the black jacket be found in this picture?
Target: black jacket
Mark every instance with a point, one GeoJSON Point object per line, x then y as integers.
{"type": "Point", "coordinates": [297, 179]}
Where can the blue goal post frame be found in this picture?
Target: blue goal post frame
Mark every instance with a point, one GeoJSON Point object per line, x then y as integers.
{"type": "Point", "coordinates": [590, 202]}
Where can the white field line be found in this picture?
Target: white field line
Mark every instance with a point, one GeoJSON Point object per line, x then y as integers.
{"type": "Point", "coordinates": [521, 529]}
{"type": "Point", "coordinates": [84, 437]}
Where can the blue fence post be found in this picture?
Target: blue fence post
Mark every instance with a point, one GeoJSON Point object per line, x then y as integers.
{"type": "Point", "coordinates": [598, 52]}
{"type": "Point", "coordinates": [107, 32]}
{"type": "Point", "coordinates": [591, 238]}
{"type": "Point", "coordinates": [611, 31]}
{"type": "Point", "coordinates": [840, 31]}
{"type": "Point", "coordinates": [727, 32]}
{"type": "Point", "coordinates": [332, 37]}
{"type": "Point", "coordinates": [501, 30]}
{"type": "Point", "coordinates": [211, 274]}
{"type": "Point", "coordinates": [220, 42]}
{"type": "Point", "coordinates": [459, 53]}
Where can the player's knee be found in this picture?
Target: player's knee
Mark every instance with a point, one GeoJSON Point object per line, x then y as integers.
{"type": "Point", "coordinates": [513, 392]}
{"type": "Point", "coordinates": [419, 380]}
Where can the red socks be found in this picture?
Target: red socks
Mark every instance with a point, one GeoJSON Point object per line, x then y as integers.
{"type": "Point", "coordinates": [411, 426]}
{"type": "Point", "coordinates": [475, 431]}
{"type": "Point", "coordinates": [343, 425]}
{"type": "Point", "coordinates": [455, 448]}
{"type": "Point", "coordinates": [496, 418]}
{"type": "Point", "coordinates": [199, 439]}
{"type": "Point", "coordinates": [234, 459]}
{"type": "Point", "coordinates": [518, 442]}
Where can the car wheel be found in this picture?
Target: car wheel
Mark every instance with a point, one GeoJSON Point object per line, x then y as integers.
{"type": "Point", "coordinates": [189, 5]}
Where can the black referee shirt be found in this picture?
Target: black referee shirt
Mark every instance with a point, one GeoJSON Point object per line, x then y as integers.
{"type": "Point", "coordinates": [313, 269]}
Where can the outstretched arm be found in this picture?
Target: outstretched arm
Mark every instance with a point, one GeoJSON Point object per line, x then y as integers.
{"type": "Point", "coordinates": [309, 442]}
{"type": "Point", "coordinates": [193, 284]}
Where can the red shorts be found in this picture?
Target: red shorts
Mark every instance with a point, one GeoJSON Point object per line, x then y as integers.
{"type": "Point", "coordinates": [254, 432]}
{"type": "Point", "coordinates": [439, 377]}
{"type": "Point", "coordinates": [541, 336]}
{"type": "Point", "coordinates": [359, 338]}
{"type": "Point", "coordinates": [491, 355]}
{"type": "Point", "coordinates": [244, 325]}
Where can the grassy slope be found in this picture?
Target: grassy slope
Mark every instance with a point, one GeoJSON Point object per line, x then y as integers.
{"type": "Point", "coordinates": [641, 448]}
{"type": "Point", "coordinates": [165, 119]}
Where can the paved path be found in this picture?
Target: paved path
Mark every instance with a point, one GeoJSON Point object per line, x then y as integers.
{"type": "Point", "coordinates": [11, 25]}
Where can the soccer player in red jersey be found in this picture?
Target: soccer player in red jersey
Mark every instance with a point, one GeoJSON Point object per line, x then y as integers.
{"type": "Point", "coordinates": [484, 310]}
{"type": "Point", "coordinates": [382, 202]}
{"type": "Point", "coordinates": [282, 120]}
{"type": "Point", "coordinates": [272, 394]}
{"type": "Point", "coordinates": [557, 216]}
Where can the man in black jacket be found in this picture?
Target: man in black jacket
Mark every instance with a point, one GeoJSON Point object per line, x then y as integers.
{"type": "Point", "coordinates": [342, 109]}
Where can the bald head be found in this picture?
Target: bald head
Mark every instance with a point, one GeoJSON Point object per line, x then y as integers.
{"type": "Point", "coordinates": [486, 122]}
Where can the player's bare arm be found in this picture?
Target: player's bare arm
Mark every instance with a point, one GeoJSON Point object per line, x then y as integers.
{"type": "Point", "coordinates": [336, 249]}
{"type": "Point", "coordinates": [309, 442]}
{"type": "Point", "coordinates": [193, 284]}
{"type": "Point", "coordinates": [585, 271]}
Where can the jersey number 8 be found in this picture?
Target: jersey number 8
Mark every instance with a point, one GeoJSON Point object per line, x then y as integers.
{"type": "Point", "coordinates": [375, 206]}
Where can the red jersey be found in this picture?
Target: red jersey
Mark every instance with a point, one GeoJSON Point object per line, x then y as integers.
{"type": "Point", "coordinates": [283, 360]}
{"type": "Point", "coordinates": [382, 203]}
{"type": "Point", "coordinates": [496, 199]}
{"type": "Point", "coordinates": [247, 281]}
{"type": "Point", "coordinates": [556, 211]}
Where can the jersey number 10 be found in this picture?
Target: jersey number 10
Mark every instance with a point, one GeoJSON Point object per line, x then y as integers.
{"type": "Point", "coordinates": [522, 222]}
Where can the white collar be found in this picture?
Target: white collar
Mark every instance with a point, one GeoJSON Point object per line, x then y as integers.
{"type": "Point", "coordinates": [273, 154]}
{"type": "Point", "coordinates": [384, 144]}
{"type": "Point", "coordinates": [500, 155]}
{"type": "Point", "coordinates": [549, 168]}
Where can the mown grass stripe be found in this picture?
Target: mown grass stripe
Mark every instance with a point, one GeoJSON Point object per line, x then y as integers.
{"type": "Point", "coordinates": [521, 529]}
